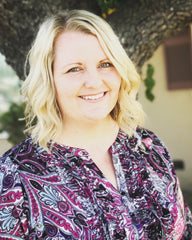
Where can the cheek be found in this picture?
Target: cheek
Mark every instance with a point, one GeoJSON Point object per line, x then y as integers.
{"type": "Point", "coordinates": [63, 88]}
{"type": "Point", "coordinates": [113, 81]}
{"type": "Point", "coordinates": [66, 94]}
{"type": "Point", "coordinates": [117, 84]}
{"type": "Point", "coordinates": [116, 80]}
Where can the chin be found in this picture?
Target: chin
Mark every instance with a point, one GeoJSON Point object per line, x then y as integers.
{"type": "Point", "coordinates": [97, 118]}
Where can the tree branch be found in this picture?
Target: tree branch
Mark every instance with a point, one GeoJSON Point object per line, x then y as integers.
{"type": "Point", "coordinates": [141, 27]}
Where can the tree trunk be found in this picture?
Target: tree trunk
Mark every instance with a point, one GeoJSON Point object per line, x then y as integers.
{"type": "Point", "coordinates": [141, 25]}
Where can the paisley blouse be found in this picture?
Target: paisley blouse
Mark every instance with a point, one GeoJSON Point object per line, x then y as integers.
{"type": "Point", "coordinates": [64, 195]}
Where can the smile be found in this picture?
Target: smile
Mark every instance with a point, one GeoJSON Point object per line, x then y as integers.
{"type": "Point", "coordinates": [93, 97]}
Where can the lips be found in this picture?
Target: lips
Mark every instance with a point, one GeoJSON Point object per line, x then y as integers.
{"type": "Point", "coordinates": [93, 97]}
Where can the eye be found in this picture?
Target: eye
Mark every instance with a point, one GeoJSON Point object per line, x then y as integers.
{"type": "Point", "coordinates": [106, 65]}
{"type": "Point", "coordinates": [74, 69]}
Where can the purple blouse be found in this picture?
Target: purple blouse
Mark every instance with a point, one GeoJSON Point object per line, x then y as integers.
{"type": "Point", "coordinates": [63, 194]}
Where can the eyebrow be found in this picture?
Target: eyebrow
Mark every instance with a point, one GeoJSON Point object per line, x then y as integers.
{"type": "Point", "coordinates": [105, 59]}
{"type": "Point", "coordinates": [71, 64]}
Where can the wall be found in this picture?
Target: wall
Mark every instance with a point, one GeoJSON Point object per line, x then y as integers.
{"type": "Point", "coordinates": [170, 117]}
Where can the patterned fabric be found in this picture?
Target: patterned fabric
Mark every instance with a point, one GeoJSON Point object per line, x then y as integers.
{"type": "Point", "coordinates": [63, 195]}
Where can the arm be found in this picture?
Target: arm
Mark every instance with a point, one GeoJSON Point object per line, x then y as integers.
{"type": "Point", "coordinates": [165, 165]}
{"type": "Point", "coordinates": [13, 212]}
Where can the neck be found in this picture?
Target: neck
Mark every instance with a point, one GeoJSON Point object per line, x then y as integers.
{"type": "Point", "coordinates": [84, 135]}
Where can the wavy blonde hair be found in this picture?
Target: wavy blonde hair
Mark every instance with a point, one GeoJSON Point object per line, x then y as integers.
{"type": "Point", "coordinates": [43, 116]}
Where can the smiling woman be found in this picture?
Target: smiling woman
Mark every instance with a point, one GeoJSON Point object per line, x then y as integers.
{"type": "Point", "coordinates": [88, 170]}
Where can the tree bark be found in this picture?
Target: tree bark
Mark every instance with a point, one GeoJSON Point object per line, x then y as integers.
{"type": "Point", "coordinates": [141, 25]}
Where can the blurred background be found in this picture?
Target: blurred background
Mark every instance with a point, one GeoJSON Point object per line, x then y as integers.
{"type": "Point", "coordinates": [169, 115]}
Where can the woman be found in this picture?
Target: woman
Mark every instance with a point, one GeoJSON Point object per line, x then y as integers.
{"type": "Point", "coordinates": [87, 171]}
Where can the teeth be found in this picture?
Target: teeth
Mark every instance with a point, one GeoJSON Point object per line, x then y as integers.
{"type": "Point", "coordinates": [93, 97]}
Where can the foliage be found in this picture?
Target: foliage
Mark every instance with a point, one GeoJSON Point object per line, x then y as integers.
{"type": "Point", "coordinates": [149, 83]}
{"type": "Point", "coordinates": [11, 122]}
{"type": "Point", "coordinates": [108, 6]}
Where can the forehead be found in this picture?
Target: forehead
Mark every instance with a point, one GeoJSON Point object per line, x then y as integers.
{"type": "Point", "coordinates": [78, 43]}
{"type": "Point", "coordinates": [73, 36]}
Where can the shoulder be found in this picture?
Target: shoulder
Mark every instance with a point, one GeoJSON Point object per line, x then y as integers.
{"type": "Point", "coordinates": [147, 146]}
{"type": "Point", "coordinates": [154, 151]}
{"type": "Point", "coordinates": [144, 133]}
{"type": "Point", "coordinates": [20, 147]}
{"type": "Point", "coordinates": [23, 156]}
{"type": "Point", "coordinates": [149, 139]}
{"type": "Point", "coordinates": [142, 139]}
{"type": "Point", "coordinates": [9, 156]}
{"type": "Point", "coordinates": [14, 213]}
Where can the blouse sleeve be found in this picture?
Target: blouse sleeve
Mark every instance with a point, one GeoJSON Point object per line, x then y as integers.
{"type": "Point", "coordinates": [188, 221]}
{"type": "Point", "coordinates": [13, 212]}
{"type": "Point", "coordinates": [150, 140]}
{"type": "Point", "coordinates": [186, 213]}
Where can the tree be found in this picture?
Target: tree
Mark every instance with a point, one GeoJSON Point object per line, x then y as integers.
{"type": "Point", "coordinates": [142, 25]}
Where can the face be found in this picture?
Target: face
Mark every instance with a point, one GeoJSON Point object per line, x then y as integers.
{"type": "Point", "coordinates": [86, 82]}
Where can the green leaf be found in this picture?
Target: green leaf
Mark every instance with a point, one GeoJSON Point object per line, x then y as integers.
{"type": "Point", "coordinates": [149, 95]}
{"type": "Point", "coordinates": [149, 83]}
{"type": "Point", "coordinates": [108, 6]}
{"type": "Point", "coordinates": [150, 70]}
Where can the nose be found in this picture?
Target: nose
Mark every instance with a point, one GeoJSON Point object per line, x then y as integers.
{"type": "Point", "coordinates": [93, 79]}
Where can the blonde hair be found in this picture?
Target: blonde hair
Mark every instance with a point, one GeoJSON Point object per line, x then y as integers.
{"type": "Point", "coordinates": [43, 115]}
